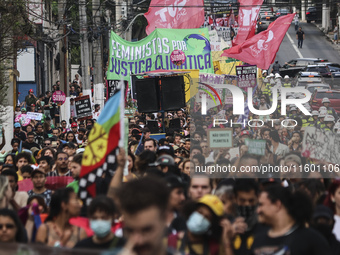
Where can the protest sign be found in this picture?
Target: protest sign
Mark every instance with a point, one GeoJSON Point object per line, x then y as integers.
{"type": "Point", "coordinates": [113, 87]}
{"type": "Point", "coordinates": [153, 52]}
{"type": "Point", "coordinates": [220, 138]}
{"type": "Point", "coordinates": [322, 145]}
{"type": "Point", "coordinates": [246, 76]}
{"type": "Point", "coordinates": [34, 115]}
{"type": "Point", "coordinates": [83, 107]}
{"type": "Point", "coordinates": [59, 97]}
{"type": "Point", "coordinates": [234, 152]}
{"type": "Point", "coordinates": [256, 147]}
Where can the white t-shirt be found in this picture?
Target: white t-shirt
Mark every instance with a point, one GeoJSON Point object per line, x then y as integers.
{"type": "Point", "coordinates": [336, 228]}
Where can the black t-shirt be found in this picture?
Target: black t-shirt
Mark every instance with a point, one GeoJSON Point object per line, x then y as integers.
{"type": "Point", "coordinates": [114, 243]}
{"type": "Point", "coordinates": [300, 34]}
{"type": "Point", "coordinates": [29, 146]}
{"type": "Point", "coordinates": [302, 241]}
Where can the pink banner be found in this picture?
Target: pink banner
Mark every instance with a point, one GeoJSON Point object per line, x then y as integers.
{"type": "Point", "coordinates": [174, 14]}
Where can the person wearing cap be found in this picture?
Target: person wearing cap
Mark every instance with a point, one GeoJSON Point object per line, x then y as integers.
{"type": "Point", "coordinates": [204, 230]}
{"type": "Point", "coordinates": [321, 124]}
{"type": "Point", "coordinates": [329, 123]}
{"type": "Point", "coordinates": [245, 134]}
{"type": "Point", "coordinates": [167, 165]}
{"type": "Point", "coordinates": [30, 99]}
{"type": "Point", "coordinates": [330, 110]}
{"type": "Point", "coordinates": [287, 83]}
{"type": "Point", "coordinates": [74, 127]}
{"type": "Point", "coordinates": [264, 79]}
{"type": "Point", "coordinates": [176, 201]}
{"type": "Point", "coordinates": [166, 150]}
{"type": "Point", "coordinates": [292, 112]}
{"type": "Point", "coordinates": [323, 222]}
{"type": "Point", "coordinates": [38, 178]}
{"type": "Point", "coordinates": [278, 80]}
{"type": "Point", "coordinates": [18, 133]}
{"type": "Point", "coordinates": [33, 109]}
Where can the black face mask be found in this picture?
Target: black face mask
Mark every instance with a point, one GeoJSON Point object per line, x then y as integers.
{"type": "Point", "coordinates": [324, 229]}
{"type": "Point", "coordinates": [246, 211]}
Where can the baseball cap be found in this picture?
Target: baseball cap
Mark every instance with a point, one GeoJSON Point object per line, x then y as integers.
{"type": "Point", "coordinates": [74, 124]}
{"type": "Point", "coordinates": [213, 202]}
{"type": "Point", "coordinates": [32, 104]}
{"type": "Point", "coordinates": [31, 90]}
{"type": "Point", "coordinates": [17, 125]}
{"type": "Point", "coordinates": [174, 181]}
{"type": "Point", "coordinates": [37, 171]}
{"type": "Point", "coordinates": [322, 211]}
{"type": "Point", "coordinates": [166, 149]}
{"type": "Point", "coordinates": [23, 109]}
{"type": "Point", "coordinates": [245, 132]}
{"type": "Point", "coordinates": [165, 160]}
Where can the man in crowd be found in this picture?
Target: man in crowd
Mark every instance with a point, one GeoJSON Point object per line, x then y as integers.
{"type": "Point", "coordinates": [61, 165]}
{"type": "Point", "coordinates": [200, 185]}
{"type": "Point", "coordinates": [38, 178]}
{"type": "Point", "coordinates": [150, 144]}
{"type": "Point", "coordinates": [29, 144]}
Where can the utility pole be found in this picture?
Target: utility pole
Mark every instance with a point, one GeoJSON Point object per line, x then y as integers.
{"type": "Point", "coordinates": [303, 10]}
{"type": "Point", "coordinates": [98, 85]}
{"type": "Point", "coordinates": [62, 49]}
{"type": "Point", "coordinates": [84, 45]}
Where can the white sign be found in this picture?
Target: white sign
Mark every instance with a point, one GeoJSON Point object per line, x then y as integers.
{"type": "Point", "coordinates": [34, 115]}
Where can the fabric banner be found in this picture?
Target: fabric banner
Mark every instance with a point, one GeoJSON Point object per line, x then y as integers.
{"type": "Point", "coordinates": [174, 14]}
{"type": "Point", "coordinates": [153, 52]}
{"type": "Point", "coordinates": [261, 49]}
{"type": "Point", "coordinates": [249, 10]}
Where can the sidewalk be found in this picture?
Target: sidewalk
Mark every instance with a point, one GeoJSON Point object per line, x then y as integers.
{"type": "Point", "coordinates": [329, 36]}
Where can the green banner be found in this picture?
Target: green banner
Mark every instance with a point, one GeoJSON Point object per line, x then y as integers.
{"type": "Point", "coordinates": [153, 52]}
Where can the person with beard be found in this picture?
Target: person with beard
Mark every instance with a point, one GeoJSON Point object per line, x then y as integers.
{"type": "Point", "coordinates": [80, 137]}
{"type": "Point", "coordinates": [323, 222]}
{"type": "Point", "coordinates": [61, 165]}
{"type": "Point", "coordinates": [287, 213]}
{"type": "Point", "coordinates": [38, 178]}
{"type": "Point", "coordinates": [245, 225]}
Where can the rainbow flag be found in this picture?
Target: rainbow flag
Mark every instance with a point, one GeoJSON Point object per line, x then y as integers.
{"type": "Point", "coordinates": [103, 145]}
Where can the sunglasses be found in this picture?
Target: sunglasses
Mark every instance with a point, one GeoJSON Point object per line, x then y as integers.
{"type": "Point", "coordinates": [8, 226]}
{"type": "Point", "coordinates": [47, 144]}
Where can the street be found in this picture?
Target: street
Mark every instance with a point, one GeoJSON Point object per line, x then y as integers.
{"type": "Point", "coordinates": [314, 46]}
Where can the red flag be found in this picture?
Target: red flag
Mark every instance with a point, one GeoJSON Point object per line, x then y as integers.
{"type": "Point", "coordinates": [261, 49]}
{"type": "Point", "coordinates": [174, 14]}
{"type": "Point", "coordinates": [249, 10]}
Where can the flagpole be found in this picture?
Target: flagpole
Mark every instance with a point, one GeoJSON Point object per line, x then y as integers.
{"type": "Point", "coordinates": [122, 108]}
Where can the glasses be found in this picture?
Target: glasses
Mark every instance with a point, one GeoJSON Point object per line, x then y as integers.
{"type": "Point", "coordinates": [60, 159]}
{"type": "Point", "coordinates": [8, 226]}
{"type": "Point", "coordinates": [47, 144]}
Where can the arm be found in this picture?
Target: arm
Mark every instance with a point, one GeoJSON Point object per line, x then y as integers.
{"type": "Point", "coordinates": [118, 177]}
{"type": "Point", "coordinates": [41, 236]}
{"type": "Point", "coordinates": [303, 36]}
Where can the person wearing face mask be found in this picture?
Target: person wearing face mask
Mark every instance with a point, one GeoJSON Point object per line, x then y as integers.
{"type": "Point", "coordinates": [205, 234]}
{"type": "Point", "coordinates": [245, 224]}
{"type": "Point", "coordinates": [101, 213]}
{"type": "Point", "coordinates": [323, 222]}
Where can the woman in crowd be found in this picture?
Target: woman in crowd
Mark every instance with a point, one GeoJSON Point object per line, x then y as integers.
{"type": "Point", "coordinates": [57, 231]}
{"type": "Point", "coordinates": [333, 201]}
{"type": "Point", "coordinates": [131, 167]}
{"type": "Point", "coordinates": [188, 166]}
{"type": "Point", "coordinates": [9, 159]}
{"type": "Point", "coordinates": [15, 145]}
{"type": "Point", "coordinates": [70, 137]}
{"type": "Point", "coordinates": [11, 229]}
{"type": "Point", "coordinates": [295, 143]}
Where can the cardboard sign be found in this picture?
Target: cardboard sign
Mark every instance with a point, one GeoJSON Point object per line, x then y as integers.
{"type": "Point", "coordinates": [34, 115]}
{"type": "Point", "coordinates": [322, 145]}
{"type": "Point", "coordinates": [220, 138]}
{"type": "Point", "coordinates": [113, 87]}
{"type": "Point", "coordinates": [83, 107]}
{"type": "Point", "coordinates": [256, 147]}
{"type": "Point", "coordinates": [246, 76]}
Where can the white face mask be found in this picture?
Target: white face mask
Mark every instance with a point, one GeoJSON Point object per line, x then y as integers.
{"type": "Point", "coordinates": [101, 228]}
{"type": "Point", "coordinates": [198, 224]}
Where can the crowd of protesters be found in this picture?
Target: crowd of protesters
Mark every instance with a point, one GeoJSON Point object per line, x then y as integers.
{"type": "Point", "coordinates": [156, 202]}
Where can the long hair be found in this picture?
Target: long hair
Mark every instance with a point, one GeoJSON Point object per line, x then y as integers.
{"type": "Point", "coordinates": [20, 236]}
{"type": "Point", "coordinates": [331, 191]}
{"type": "Point", "coordinates": [74, 137]}
{"type": "Point", "coordinates": [58, 197]}
{"type": "Point", "coordinates": [3, 186]}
